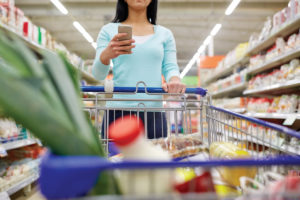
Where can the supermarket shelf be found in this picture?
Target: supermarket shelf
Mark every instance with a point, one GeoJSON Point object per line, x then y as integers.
{"type": "Point", "coordinates": [287, 29]}
{"type": "Point", "coordinates": [238, 110]}
{"type": "Point", "coordinates": [282, 59]}
{"type": "Point", "coordinates": [18, 144]}
{"type": "Point", "coordinates": [276, 87]}
{"type": "Point", "coordinates": [239, 88]}
{"type": "Point", "coordinates": [33, 45]}
{"type": "Point", "coordinates": [273, 115]}
{"type": "Point", "coordinates": [284, 148]}
{"type": "Point", "coordinates": [37, 49]}
{"type": "Point", "coordinates": [228, 70]}
{"type": "Point", "coordinates": [15, 188]}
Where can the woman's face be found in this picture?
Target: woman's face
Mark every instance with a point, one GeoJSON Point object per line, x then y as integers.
{"type": "Point", "coordinates": [138, 4]}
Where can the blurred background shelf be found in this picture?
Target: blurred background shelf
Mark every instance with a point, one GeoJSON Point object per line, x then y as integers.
{"type": "Point", "coordinates": [230, 91]}
{"type": "Point", "coordinates": [282, 59]}
{"type": "Point", "coordinates": [289, 28]}
{"type": "Point", "coordinates": [18, 144]}
{"type": "Point", "coordinates": [277, 88]}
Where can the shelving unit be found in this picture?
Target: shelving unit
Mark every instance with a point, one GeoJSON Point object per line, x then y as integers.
{"type": "Point", "coordinates": [287, 29]}
{"type": "Point", "coordinates": [273, 115]}
{"type": "Point", "coordinates": [239, 88]}
{"type": "Point", "coordinates": [280, 146]}
{"type": "Point", "coordinates": [276, 61]}
{"type": "Point", "coordinates": [228, 70]}
{"type": "Point", "coordinates": [18, 144]}
{"type": "Point", "coordinates": [276, 87]}
{"type": "Point", "coordinates": [37, 49]}
{"type": "Point", "coordinates": [20, 185]}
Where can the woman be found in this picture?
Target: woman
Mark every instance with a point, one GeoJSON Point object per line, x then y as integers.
{"type": "Point", "coordinates": [151, 53]}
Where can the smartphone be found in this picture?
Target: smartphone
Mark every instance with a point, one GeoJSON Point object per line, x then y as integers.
{"type": "Point", "coordinates": [125, 29]}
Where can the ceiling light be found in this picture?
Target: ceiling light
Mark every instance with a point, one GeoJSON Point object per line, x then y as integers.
{"type": "Point", "coordinates": [85, 34]}
{"type": "Point", "coordinates": [207, 40]}
{"type": "Point", "coordinates": [216, 29]}
{"type": "Point", "coordinates": [60, 6]}
{"type": "Point", "coordinates": [232, 7]}
{"type": "Point", "coordinates": [94, 44]}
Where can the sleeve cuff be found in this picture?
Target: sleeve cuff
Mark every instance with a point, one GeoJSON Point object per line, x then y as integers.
{"type": "Point", "coordinates": [171, 74]}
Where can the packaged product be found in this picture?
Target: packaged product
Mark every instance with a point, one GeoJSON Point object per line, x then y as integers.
{"type": "Point", "coordinates": [295, 64]}
{"type": "Point", "coordinates": [181, 145]}
{"type": "Point", "coordinates": [291, 43]}
{"type": "Point", "coordinates": [227, 150]}
{"type": "Point", "coordinates": [199, 184]}
{"type": "Point", "coordinates": [3, 14]}
{"type": "Point", "coordinates": [19, 15]}
{"type": "Point", "coordinates": [276, 21]}
{"type": "Point", "coordinates": [288, 104]}
{"type": "Point", "coordinates": [128, 135]}
{"type": "Point", "coordinates": [253, 40]}
{"type": "Point", "coordinates": [266, 29]}
{"type": "Point", "coordinates": [274, 106]}
{"type": "Point", "coordinates": [280, 46]}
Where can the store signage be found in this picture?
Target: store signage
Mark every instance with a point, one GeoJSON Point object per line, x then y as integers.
{"type": "Point", "coordinates": [3, 152]}
{"type": "Point", "coordinates": [4, 196]}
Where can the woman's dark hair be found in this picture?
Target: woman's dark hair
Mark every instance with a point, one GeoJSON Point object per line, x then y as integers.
{"type": "Point", "coordinates": [122, 11]}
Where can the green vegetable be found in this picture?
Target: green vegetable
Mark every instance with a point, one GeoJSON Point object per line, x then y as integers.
{"type": "Point", "coordinates": [44, 96]}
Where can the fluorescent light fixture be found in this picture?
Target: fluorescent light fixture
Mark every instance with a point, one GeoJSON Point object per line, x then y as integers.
{"type": "Point", "coordinates": [216, 29]}
{"type": "Point", "coordinates": [232, 7]}
{"type": "Point", "coordinates": [207, 40]}
{"type": "Point", "coordinates": [85, 34]}
{"type": "Point", "coordinates": [60, 6]}
{"type": "Point", "coordinates": [94, 45]}
{"type": "Point", "coordinates": [193, 60]}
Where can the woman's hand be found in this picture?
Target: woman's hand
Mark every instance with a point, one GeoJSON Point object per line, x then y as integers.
{"type": "Point", "coordinates": [174, 86]}
{"type": "Point", "coordinates": [116, 48]}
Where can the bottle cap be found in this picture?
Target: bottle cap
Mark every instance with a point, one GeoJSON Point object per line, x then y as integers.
{"type": "Point", "coordinates": [125, 131]}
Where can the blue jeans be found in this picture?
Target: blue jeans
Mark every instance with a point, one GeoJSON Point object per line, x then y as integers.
{"type": "Point", "coordinates": [156, 122]}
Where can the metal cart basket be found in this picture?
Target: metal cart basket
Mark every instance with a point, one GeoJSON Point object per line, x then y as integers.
{"type": "Point", "coordinates": [197, 125]}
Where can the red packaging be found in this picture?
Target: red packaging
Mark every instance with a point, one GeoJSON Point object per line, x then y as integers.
{"type": "Point", "coordinates": [200, 184]}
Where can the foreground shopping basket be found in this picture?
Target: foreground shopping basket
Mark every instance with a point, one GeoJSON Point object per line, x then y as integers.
{"type": "Point", "coordinates": [272, 147]}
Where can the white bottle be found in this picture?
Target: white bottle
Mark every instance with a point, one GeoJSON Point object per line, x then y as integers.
{"type": "Point", "coordinates": [128, 135]}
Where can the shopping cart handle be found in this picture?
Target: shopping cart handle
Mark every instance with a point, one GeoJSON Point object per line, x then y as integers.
{"type": "Point", "coordinates": [156, 90]}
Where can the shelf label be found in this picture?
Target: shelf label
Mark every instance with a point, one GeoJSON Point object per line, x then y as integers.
{"type": "Point", "coordinates": [290, 120]}
{"type": "Point", "coordinates": [3, 152]}
{"type": "Point", "coordinates": [4, 196]}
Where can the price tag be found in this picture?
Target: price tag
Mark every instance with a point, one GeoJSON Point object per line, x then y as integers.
{"type": "Point", "coordinates": [290, 120]}
{"type": "Point", "coordinates": [3, 152]}
{"type": "Point", "coordinates": [4, 196]}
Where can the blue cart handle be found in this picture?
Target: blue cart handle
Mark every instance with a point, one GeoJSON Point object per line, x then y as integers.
{"type": "Point", "coordinates": [149, 90]}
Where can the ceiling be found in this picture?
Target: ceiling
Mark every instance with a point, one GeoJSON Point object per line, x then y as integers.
{"type": "Point", "coordinates": [190, 20]}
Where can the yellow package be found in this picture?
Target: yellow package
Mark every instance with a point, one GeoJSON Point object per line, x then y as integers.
{"type": "Point", "coordinates": [227, 150]}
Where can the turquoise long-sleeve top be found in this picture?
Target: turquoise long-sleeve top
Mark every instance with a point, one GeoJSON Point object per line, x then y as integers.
{"type": "Point", "coordinates": [148, 62]}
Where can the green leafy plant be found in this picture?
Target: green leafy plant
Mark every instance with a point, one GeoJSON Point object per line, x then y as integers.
{"type": "Point", "coordinates": [44, 96]}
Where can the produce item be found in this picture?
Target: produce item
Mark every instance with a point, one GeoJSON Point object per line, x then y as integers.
{"type": "Point", "coordinates": [181, 145]}
{"type": "Point", "coordinates": [128, 135]}
{"type": "Point", "coordinates": [226, 150]}
{"type": "Point", "coordinates": [50, 91]}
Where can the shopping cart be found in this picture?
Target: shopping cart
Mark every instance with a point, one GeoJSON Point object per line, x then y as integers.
{"type": "Point", "coordinates": [271, 147]}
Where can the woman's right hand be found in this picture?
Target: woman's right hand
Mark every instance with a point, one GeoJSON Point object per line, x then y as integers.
{"type": "Point", "coordinates": [116, 48]}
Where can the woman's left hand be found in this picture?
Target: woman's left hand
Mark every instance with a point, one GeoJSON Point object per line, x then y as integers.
{"type": "Point", "coordinates": [174, 86]}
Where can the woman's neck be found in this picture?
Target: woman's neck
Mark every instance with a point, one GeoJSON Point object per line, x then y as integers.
{"type": "Point", "coordinates": [137, 17]}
